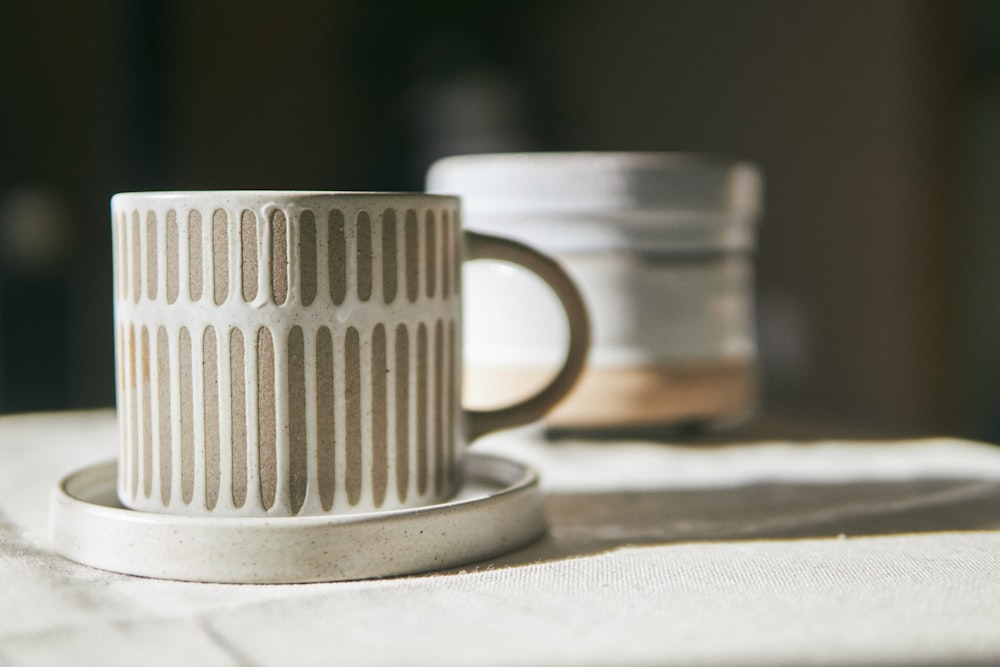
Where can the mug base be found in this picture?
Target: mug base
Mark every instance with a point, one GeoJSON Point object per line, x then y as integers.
{"type": "Point", "coordinates": [670, 395]}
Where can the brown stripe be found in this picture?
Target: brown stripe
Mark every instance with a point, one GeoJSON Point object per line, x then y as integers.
{"type": "Point", "coordinates": [298, 476]}
{"type": "Point", "coordinates": [438, 424]}
{"type": "Point", "coordinates": [187, 416]}
{"type": "Point", "coordinates": [267, 438]}
{"type": "Point", "coordinates": [248, 243]}
{"type": "Point", "coordinates": [446, 254]}
{"type": "Point", "coordinates": [238, 412]}
{"type": "Point", "coordinates": [412, 256]}
{"type": "Point", "coordinates": [133, 444]}
{"type": "Point", "coordinates": [151, 277]}
{"type": "Point", "coordinates": [338, 257]}
{"type": "Point", "coordinates": [132, 382]}
{"type": "Point", "coordinates": [402, 381]}
{"type": "Point", "coordinates": [451, 404]}
{"type": "Point", "coordinates": [279, 256]}
{"type": "Point", "coordinates": [194, 255]}
{"type": "Point", "coordinates": [136, 252]}
{"type": "Point", "coordinates": [307, 256]}
{"type": "Point", "coordinates": [430, 250]}
{"type": "Point", "coordinates": [220, 255]}
{"type": "Point", "coordinates": [380, 463]}
{"type": "Point", "coordinates": [163, 408]}
{"type": "Point", "coordinates": [213, 467]}
{"type": "Point", "coordinates": [457, 252]}
{"type": "Point", "coordinates": [147, 416]}
{"type": "Point", "coordinates": [421, 409]}
{"type": "Point", "coordinates": [364, 239]}
{"type": "Point", "coordinates": [173, 268]}
{"type": "Point", "coordinates": [325, 401]}
{"type": "Point", "coordinates": [390, 263]}
{"type": "Point", "coordinates": [352, 390]}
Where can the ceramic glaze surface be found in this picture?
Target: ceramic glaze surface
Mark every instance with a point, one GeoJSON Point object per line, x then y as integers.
{"type": "Point", "coordinates": [661, 245]}
{"type": "Point", "coordinates": [498, 509]}
{"type": "Point", "coordinates": [246, 377]}
{"type": "Point", "coordinates": [288, 353]}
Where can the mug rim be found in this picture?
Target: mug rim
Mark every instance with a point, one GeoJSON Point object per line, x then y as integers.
{"type": "Point", "coordinates": [615, 183]}
{"type": "Point", "coordinates": [165, 196]}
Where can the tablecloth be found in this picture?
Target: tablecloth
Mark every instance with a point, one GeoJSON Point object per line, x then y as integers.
{"type": "Point", "coordinates": [778, 553]}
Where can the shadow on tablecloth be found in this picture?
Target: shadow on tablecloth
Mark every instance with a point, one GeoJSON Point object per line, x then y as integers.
{"type": "Point", "coordinates": [587, 523]}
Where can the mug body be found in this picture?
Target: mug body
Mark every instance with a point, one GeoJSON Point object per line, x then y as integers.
{"type": "Point", "coordinates": [661, 246]}
{"type": "Point", "coordinates": [287, 353]}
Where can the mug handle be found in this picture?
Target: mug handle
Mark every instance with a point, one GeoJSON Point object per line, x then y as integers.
{"type": "Point", "coordinates": [484, 246]}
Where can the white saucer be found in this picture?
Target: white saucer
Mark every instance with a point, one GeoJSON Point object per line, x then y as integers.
{"type": "Point", "coordinates": [499, 509]}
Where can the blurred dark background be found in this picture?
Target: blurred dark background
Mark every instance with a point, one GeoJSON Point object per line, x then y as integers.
{"type": "Point", "coordinates": [877, 125]}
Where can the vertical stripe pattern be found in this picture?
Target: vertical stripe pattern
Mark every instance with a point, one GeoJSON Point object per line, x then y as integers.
{"type": "Point", "coordinates": [146, 441]}
{"type": "Point", "coordinates": [298, 475]}
{"type": "Point", "coordinates": [353, 415]}
{"type": "Point", "coordinates": [210, 368]}
{"type": "Point", "coordinates": [238, 442]}
{"type": "Point", "coordinates": [267, 435]}
{"type": "Point", "coordinates": [270, 391]}
{"type": "Point", "coordinates": [186, 370]}
{"type": "Point", "coordinates": [326, 392]}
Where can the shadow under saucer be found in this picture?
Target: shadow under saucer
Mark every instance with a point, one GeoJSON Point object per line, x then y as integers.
{"type": "Point", "coordinates": [588, 523]}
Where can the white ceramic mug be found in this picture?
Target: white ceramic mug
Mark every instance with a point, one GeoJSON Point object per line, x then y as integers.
{"type": "Point", "coordinates": [296, 353]}
{"type": "Point", "coordinates": [662, 248]}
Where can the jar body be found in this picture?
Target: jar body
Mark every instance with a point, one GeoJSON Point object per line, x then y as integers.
{"type": "Point", "coordinates": [673, 339]}
{"type": "Point", "coordinates": [661, 246]}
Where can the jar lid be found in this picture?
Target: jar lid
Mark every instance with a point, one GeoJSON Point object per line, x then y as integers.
{"type": "Point", "coordinates": [578, 200]}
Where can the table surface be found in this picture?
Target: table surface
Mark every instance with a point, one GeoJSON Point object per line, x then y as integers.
{"type": "Point", "coordinates": [767, 552]}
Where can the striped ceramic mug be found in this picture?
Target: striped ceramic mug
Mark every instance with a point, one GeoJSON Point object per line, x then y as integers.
{"type": "Point", "coordinates": [299, 353]}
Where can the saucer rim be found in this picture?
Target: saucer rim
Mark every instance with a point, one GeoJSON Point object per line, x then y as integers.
{"type": "Point", "coordinates": [526, 476]}
{"type": "Point", "coordinates": [84, 529]}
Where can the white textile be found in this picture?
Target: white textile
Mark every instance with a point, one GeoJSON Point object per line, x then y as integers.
{"type": "Point", "coordinates": [768, 553]}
